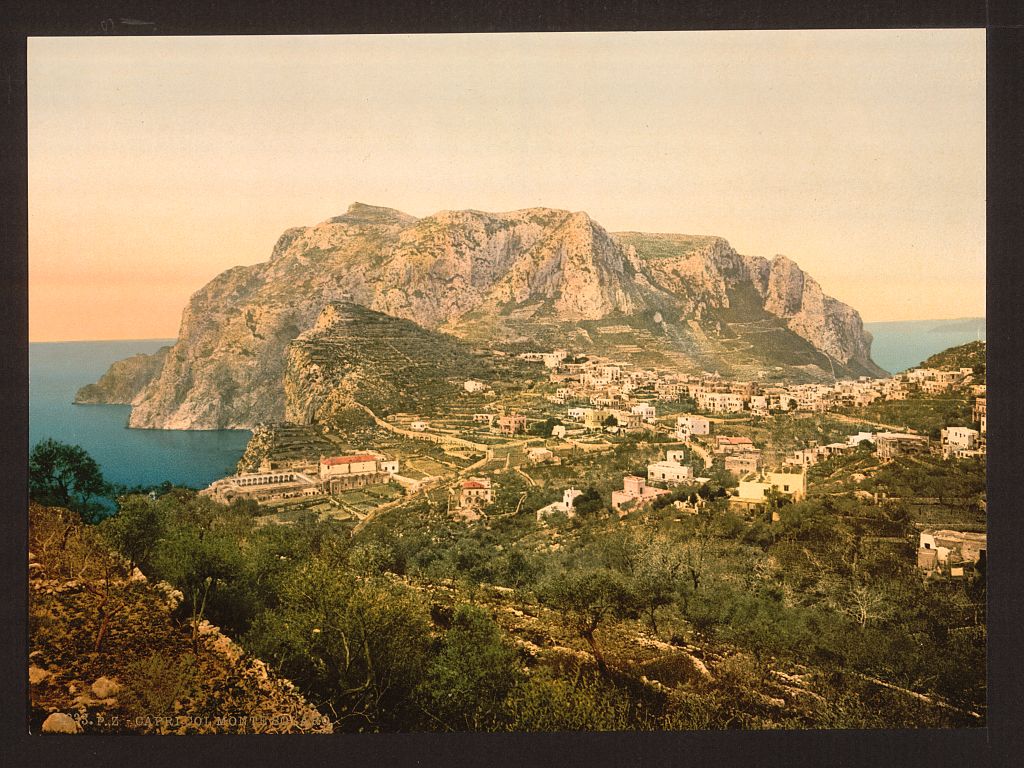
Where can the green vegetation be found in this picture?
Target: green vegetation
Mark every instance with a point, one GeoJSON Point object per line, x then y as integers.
{"type": "Point", "coordinates": [676, 614]}
{"type": "Point", "coordinates": [971, 355]}
{"type": "Point", "coordinates": [65, 475]}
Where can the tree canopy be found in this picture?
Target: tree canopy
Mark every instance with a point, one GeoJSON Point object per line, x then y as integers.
{"type": "Point", "coordinates": [66, 476]}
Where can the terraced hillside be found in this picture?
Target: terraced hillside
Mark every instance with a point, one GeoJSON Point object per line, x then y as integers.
{"type": "Point", "coordinates": [385, 363]}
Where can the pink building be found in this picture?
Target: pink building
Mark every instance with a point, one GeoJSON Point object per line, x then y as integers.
{"type": "Point", "coordinates": [634, 489]}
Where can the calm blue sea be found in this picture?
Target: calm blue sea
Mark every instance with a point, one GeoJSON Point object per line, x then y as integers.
{"type": "Point", "coordinates": [902, 345]}
{"type": "Point", "coordinates": [128, 456]}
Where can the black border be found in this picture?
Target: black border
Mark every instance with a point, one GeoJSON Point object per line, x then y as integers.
{"type": "Point", "coordinates": [998, 744]}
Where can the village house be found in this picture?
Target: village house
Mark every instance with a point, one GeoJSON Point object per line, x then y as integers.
{"type": "Point", "coordinates": [627, 420]}
{"type": "Point", "coordinates": [645, 411]}
{"type": "Point", "coordinates": [539, 455]}
{"type": "Point", "coordinates": [889, 445]}
{"type": "Point", "coordinates": [558, 431]}
{"type": "Point", "coordinates": [476, 492]}
{"type": "Point", "coordinates": [418, 426]}
{"type": "Point", "coordinates": [635, 492]}
{"type": "Point", "coordinates": [472, 385]}
{"type": "Point", "coordinates": [727, 445]}
{"type": "Point", "coordinates": [759, 405]}
{"type": "Point", "coordinates": [511, 424]}
{"type": "Point", "coordinates": [554, 358]}
{"type": "Point", "coordinates": [855, 440]}
{"type": "Point", "coordinates": [569, 497]}
{"type": "Point", "coordinates": [803, 457]}
{"type": "Point", "coordinates": [741, 464]}
{"type": "Point", "coordinates": [484, 418]}
{"type": "Point", "coordinates": [939, 550]}
{"type": "Point", "coordinates": [978, 414]}
{"type": "Point", "coordinates": [753, 493]}
{"type": "Point", "coordinates": [959, 442]}
{"type": "Point", "coordinates": [689, 425]}
{"type": "Point", "coordinates": [669, 472]}
{"type": "Point", "coordinates": [720, 402]}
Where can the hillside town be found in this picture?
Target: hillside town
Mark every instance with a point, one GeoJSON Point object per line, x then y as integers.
{"type": "Point", "coordinates": [589, 404]}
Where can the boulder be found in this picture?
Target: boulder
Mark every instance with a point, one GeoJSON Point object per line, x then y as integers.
{"type": "Point", "coordinates": [38, 675]}
{"type": "Point", "coordinates": [58, 722]}
{"type": "Point", "coordinates": [104, 688]}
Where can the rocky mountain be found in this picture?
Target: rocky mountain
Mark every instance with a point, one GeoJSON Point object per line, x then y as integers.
{"type": "Point", "coordinates": [124, 380]}
{"type": "Point", "coordinates": [535, 277]}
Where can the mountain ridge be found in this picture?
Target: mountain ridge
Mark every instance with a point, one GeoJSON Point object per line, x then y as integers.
{"type": "Point", "coordinates": [535, 275]}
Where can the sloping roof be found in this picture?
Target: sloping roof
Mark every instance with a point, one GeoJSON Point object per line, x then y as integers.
{"type": "Point", "coordinates": [333, 460]}
{"type": "Point", "coordinates": [473, 484]}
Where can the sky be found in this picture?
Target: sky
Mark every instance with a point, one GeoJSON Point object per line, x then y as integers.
{"type": "Point", "coordinates": [155, 163]}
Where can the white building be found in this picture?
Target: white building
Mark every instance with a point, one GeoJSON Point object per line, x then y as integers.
{"type": "Point", "coordinates": [418, 426]}
{"type": "Point", "coordinates": [668, 472]}
{"type": "Point", "coordinates": [687, 426]}
{"type": "Point", "coordinates": [754, 493]}
{"type": "Point", "coordinates": [539, 455]}
{"type": "Point", "coordinates": [957, 440]}
{"type": "Point", "coordinates": [855, 440]}
{"type": "Point", "coordinates": [569, 497]}
{"type": "Point", "coordinates": [645, 411]}
{"type": "Point", "coordinates": [472, 385]}
{"type": "Point", "coordinates": [720, 402]}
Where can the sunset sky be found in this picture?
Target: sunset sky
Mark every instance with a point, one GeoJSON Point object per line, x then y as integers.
{"type": "Point", "coordinates": [156, 163]}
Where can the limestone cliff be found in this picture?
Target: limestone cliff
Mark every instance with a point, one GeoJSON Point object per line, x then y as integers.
{"type": "Point", "coordinates": [535, 275]}
{"type": "Point", "coordinates": [124, 380]}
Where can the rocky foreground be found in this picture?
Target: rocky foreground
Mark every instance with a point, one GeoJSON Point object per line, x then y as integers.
{"type": "Point", "coordinates": [108, 655]}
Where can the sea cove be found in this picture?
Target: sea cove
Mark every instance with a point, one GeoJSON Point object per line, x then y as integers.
{"type": "Point", "coordinates": [126, 456]}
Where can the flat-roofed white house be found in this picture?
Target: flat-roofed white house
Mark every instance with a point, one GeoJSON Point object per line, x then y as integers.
{"type": "Point", "coordinates": [938, 549]}
{"type": "Point", "coordinates": [645, 411]}
{"type": "Point", "coordinates": [753, 492]}
{"type": "Point", "coordinates": [569, 497]}
{"type": "Point", "coordinates": [687, 426]}
{"type": "Point", "coordinates": [539, 455]}
{"type": "Point", "coordinates": [472, 385]}
{"type": "Point", "coordinates": [958, 440]}
{"type": "Point", "coordinates": [669, 472]}
{"type": "Point", "coordinates": [419, 425]}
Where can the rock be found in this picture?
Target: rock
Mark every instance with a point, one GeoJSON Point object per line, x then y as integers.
{"type": "Point", "coordinates": [137, 576]}
{"type": "Point", "coordinates": [454, 271]}
{"type": "Point", "coordinates": [105, 687]}
{"type": "Point", "coordinates": [31, 557]}
{"type": "Point", "coordinates": [124, 379]}
{"type": "Point", "coordinates": [206, 628]}
{"type": "Point", "coordinates": [58, 722]}
{"type": "Point", "coordinates": [38, 675]}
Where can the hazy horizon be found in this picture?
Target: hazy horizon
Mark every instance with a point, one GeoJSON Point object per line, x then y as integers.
{"type": "Point", "coordinates": [157, 163]}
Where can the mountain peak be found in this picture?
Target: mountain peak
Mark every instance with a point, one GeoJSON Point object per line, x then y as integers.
{"type": "Point", "coordinates": [362, 213]}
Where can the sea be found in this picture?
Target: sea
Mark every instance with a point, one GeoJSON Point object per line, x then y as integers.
{"type": "Point", "coordinates": [130, 457]}
{"type": "Point", "coordinates": [898, 346]}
